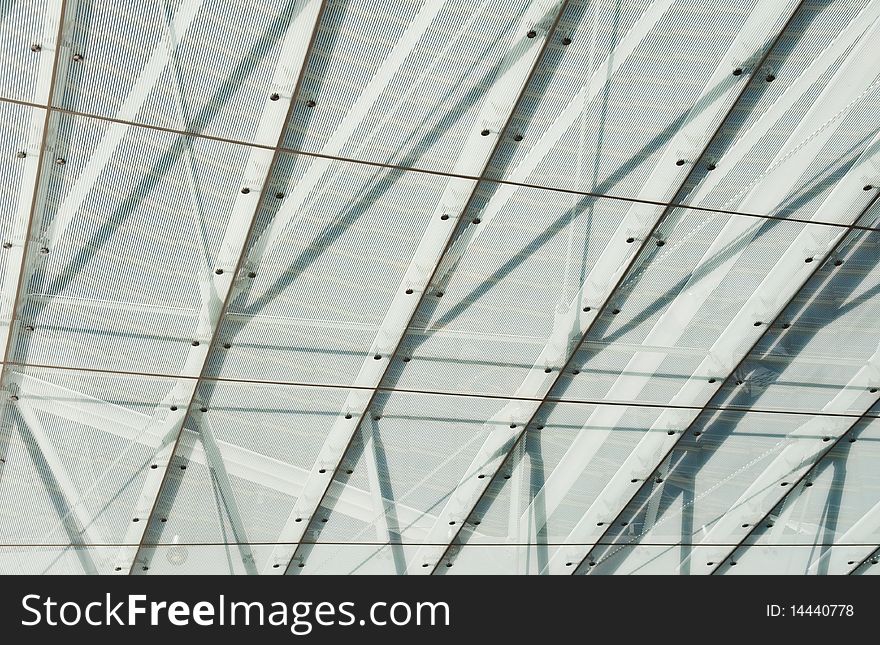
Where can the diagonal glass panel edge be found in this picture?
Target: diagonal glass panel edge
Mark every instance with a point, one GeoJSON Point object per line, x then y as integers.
{"type": "Point", "coordinates": [151, 66]}
{"type": "Point", "coordinates": [410, 98]}
{"type": "Point", "coordinates": [102, 292]}
{"type": "Point", "coordinates": [519, 65]}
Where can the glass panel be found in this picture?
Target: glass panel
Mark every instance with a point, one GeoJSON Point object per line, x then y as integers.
{"type": "Point", "coordinates": [614, 468]}
{"type": "Point", "coordinates": [126, 248]}
{"type": "Point", "coordinates": [132, 69]}
{"type": "Point", "coordinates": [563, 469]}
{"type": "Point", "coordinates": [434, 63]}
{"type": "Point", "coordinates": [823, 340]}
{"type": "Point", "coordinates": [78, 447]}
{"type": "Point", "coordinates": [62, 560]}
{"type": "Point", "coordinates": [514, 283]}
{"type": "Point", "coordinates": [608, 114]}
{"type": "Point", "coordinates": [321, 290]}
{"type": "Point", "coordinates": [724, 478]}
{"type": "Point", "coordinates": [22, 25]}
{"type": "Point", "coordinates": [411, 458]}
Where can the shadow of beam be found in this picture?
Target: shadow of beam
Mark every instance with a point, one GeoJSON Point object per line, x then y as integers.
{"type": "Point", "coordinates": [862, 252]}
{"type": "Point", "coordinates": [57, 497]}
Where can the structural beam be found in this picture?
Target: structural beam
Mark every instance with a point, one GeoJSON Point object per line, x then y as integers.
{"type": "Point", "coordinates": [796, 460]}
{"type": "Point", "coordinates": [139, 428]}
{"type": "Point", "coordinates": [779, 286]}
{"type": "Point", "coordinates": [80, 526]}
{"type": "Point", "coordinates": [163, 53]}
{"type": "Point", "coordinates": [225, 278]}
{"type": "Point", "coordinates": [18, 258]}
{"type": "Point", "coordinates": [843, 205]}
{"type": "Point", "coordinates": [720, 95]}
{"type": "Point", "coordinates": [230, 505]}
{"type": "Point", "coordinates": [796, 453]}
{"type": "Point", "coordinates": [516, 68]}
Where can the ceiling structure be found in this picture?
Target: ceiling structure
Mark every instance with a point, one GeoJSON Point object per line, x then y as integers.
{"type": "Point", "coordinates": [440, 287]}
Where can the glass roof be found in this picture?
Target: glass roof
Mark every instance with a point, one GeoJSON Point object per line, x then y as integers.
{"type": "Point", "coordinates": [440, 287]}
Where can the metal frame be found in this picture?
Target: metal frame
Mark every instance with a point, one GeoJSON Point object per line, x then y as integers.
{"type": "Point", "coordinates": [443, 245]}
{"type": "Point", "coordinates": [686, 432]}
{"type": "Point", "coordinates": [518, 66]}
{"type": "Point", "coordinates": [636, 225]}
{"type": "Point", "coordinates": [221, 291]}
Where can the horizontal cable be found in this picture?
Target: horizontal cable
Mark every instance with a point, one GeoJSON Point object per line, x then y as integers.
{"type": "Point", "coordinates": [441, 173]}
{"type": "Point", "coordinates": [450, 393]}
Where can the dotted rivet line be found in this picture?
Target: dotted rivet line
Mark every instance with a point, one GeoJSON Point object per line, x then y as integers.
{"type": "Point", "coordinates": [696, 499]}
{"type": "Point", "coordinates": [776, 164]}
{"type": "Point", "coordinates": [759, 177]}
{"type": "Point", "coordinates": [368, 528]}
{"type": "Point", "coordinates": [374, 131]}
{"type": "Point", "coordinates": [644, 265]}
{"type": "Point", "coordinates": [819, 56]}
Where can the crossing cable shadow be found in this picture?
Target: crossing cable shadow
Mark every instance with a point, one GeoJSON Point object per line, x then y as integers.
{"type": "Point", "coordinates": [427, 308]}
{"type": "Point", "coordinates": [366, 198]}
{"type": "Point", "coordinates": [745, 386]}
{"type": "Point", "coordinates": [152, 178]}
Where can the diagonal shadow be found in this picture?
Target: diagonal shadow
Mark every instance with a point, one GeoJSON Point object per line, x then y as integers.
{"type": "Point", "coordinates": [791, 342]}
{"type": "Point", "coordinates": [587, 202]}
{"type": "Point", "coordinates": [325, 239]}
{"type": "Point", "coordinates": [160, 168]}
{"type": "Point", "coordinates": [831, 511]}
{"type": "Point", "coordinates": [824, 179]}
{"type": "Point", "coordinates": [56, 495]}
{"type": "Point", "coordinates": [387, 495]}
{"type": "Point", "coordinates": [536, 482]}
{"type": "Point", "coordinates": [795, 201]}
{"type": "Point", "coordinates": [367, 197]}
{"type": "Point", "coordinates": [811, 190]}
